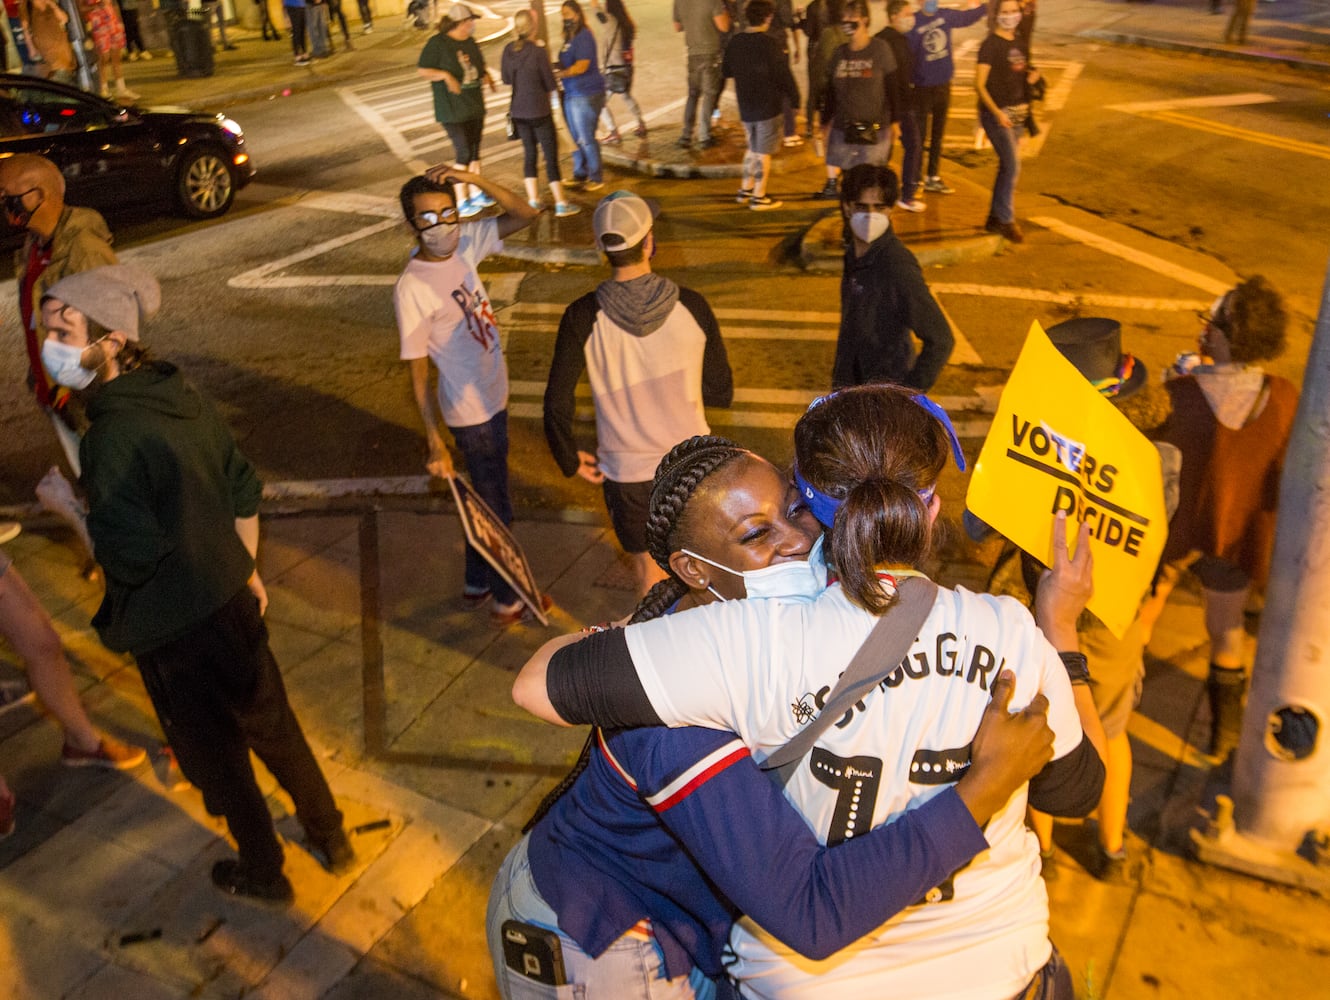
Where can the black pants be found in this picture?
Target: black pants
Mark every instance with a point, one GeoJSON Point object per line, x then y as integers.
{"type": "Point", "coordinates": [133, 36]}
{"type": "Point", "coordinates": [932, 102]}
{"type": "Point", "coordinates": [296, 17]}
{"type": "Point", "coordinates": [218, 694]}
{"type": "Point", "coordinates": [538, 132]}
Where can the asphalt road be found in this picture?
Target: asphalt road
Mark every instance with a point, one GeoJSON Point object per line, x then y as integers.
{"type": "Point", "coordinates": [1144, 212]}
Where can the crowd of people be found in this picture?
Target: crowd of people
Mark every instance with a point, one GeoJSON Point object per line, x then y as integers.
{"type": "Point", "coordinates": [786, 622]}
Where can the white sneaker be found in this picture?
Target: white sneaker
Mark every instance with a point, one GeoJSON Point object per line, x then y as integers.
{"type": "Point", "coordinates": [9, 530]}
{"type": "Point", "coordinates": [145, 55]}
{"type": "Point", "coordinates": [914, 205]}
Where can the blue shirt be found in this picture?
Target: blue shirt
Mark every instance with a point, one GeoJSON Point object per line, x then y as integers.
{"type": "Point", "coordinates": [930, 43]}
{"type": "Point", "coordinates": [590, 83]}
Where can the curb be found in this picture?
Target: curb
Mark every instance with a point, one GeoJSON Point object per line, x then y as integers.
{"type": "Point", "coordinates": [826, 233]}
{"type": "Point", "coordinates": [679, 171]}
{"type": "Point", "coordinates": [1213, 51]}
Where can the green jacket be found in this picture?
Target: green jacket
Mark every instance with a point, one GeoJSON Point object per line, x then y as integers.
{"type": "Point", "coordinates": [165, 483]}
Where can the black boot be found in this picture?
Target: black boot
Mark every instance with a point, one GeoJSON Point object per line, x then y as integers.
{"type": "Point", "coordinates": [1226, 687]}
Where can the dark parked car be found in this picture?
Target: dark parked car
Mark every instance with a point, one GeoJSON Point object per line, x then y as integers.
{"type": "Point", "coordinates": [115, 158]}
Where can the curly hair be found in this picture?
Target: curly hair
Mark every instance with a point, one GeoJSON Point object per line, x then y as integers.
{"type": "Point", "coordinates": [1254, 320]}
{"type": "Point", "coordinates": [873, 448]}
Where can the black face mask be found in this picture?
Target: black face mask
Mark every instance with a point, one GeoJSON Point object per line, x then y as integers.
{"type": "Point", "coordinates": [18, 216]}
{"type": "Point", "coordinates": [569, 25]}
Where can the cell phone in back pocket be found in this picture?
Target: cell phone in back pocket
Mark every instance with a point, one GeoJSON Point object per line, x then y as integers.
{"type": "Point", "coordinates": [533, 952]}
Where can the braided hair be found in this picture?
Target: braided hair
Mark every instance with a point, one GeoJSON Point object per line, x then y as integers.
{"type": "Point", "coordinates": [680, 473]}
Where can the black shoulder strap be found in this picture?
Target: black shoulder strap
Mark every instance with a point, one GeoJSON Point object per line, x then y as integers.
{"type": "Point", "coordinates": [881, 652]}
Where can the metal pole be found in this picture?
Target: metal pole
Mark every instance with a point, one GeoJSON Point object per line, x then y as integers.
{"type": "Point", "coordinates": [1280, 804]}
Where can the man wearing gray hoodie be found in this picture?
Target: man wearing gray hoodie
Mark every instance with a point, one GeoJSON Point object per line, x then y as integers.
{"type": "Point", "coordinates": [654, 357]}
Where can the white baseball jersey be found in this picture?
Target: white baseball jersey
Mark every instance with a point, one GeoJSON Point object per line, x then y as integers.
{"type": "Point", "coordinates": [763, 667]}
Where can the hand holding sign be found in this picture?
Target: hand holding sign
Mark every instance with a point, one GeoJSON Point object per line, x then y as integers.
{"type": "Point", "coordinates": [1058, 446]}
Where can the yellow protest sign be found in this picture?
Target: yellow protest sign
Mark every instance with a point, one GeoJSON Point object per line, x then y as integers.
{"type": "Point", "coordinates": [1057, 445]}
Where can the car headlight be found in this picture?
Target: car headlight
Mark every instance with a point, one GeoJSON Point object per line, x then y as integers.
{"type": "Point", "coordinates": [232, 126]}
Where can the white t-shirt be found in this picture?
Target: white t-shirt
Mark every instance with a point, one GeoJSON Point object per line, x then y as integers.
{"type": "Point", "coordinates": [761, 668]}
{"type": "Point", "coordinates": [444, 313]}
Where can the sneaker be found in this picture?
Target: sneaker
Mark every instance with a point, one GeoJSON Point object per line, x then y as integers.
{"type": "Point", "coordinates": [936, 185]}
{"type": "Point", "coordinates": [710, 142]}
{"type": "Point", "coordinates": [760, 203]}
{"type": "Point", "coordinates": [468, 208]}
{"type": "Point", "coordinates": [566, 208]}
{"type": "Point", "coordinates": [912, 205]}
{"type": "Point", "coordinates": [743, 195]}
{"type": "Point", "coordinates": [367, 29]}
{"type": "Point", "coordinates": [539, 206]}
{"type": "Point", "coordinates": [9, 530]}
{"type": "Point", "coordinates": [8, 805]}
{"type": "Point", "coordinates": [231, 876]}
{"type": "Point", "coordinates": [683, 142]}
{"type": "Point", "coordinates": [145, 55]}
{"type": "Point", "coordinates": [334, 852]}
{"type": "Point", "coordinates": [575, 184]}
{"type": "Point", "coordinates": [483, 200]}
{"type": "Point", "coordinates": [1111, 869]}
{"type": "Point", "coordinates": [110, 753]}
{"type": "Point", "coordinates": [133, 57]}
{"type": "Point", "coordinates": [473, 598]}
{"type": "Point", "coordinates": [173, 779]}
{"type": "Point", "coordinates": [502, 617]}
{"type": "Point", "coordinates": [793, 140]}
{"type": "Point", "coordinates": [593, 185]}
{"type": "Point", "coordinates": [829, 191]}
{"type": "Point", "coordinates": [302, 60]}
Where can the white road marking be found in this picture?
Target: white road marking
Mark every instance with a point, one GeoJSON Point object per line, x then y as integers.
{"type": "Point", "coordinates": [1177, 272]}
{"type": "Point", "coordinates": [1069, 298]}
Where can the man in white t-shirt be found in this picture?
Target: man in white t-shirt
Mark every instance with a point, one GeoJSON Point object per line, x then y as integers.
{"type": "Point", "coordinates": [444, 316]}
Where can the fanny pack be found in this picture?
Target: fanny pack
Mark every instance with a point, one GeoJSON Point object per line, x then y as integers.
{"type": "Point", "coordinates": [863, 133]}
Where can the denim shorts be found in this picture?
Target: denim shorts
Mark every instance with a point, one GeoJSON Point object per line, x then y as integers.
{"type": "Point", "coordinates": [764, 136]}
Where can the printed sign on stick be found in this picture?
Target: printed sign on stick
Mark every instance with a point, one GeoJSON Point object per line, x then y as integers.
{"type": "Point", "coordinates": [1057, 445]}
{"type": "Point", "coordinates": [491, 538]}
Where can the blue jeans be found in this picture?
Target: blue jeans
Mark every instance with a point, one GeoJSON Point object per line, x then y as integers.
{"type": "Point", "coordinates": [484, 448]}
{"type": "Point", "coordinates": [629, 969]}
{"type": "Point", "coordinates": [581, 114]}
{"type": "Point", "coordinates": [1004, 140]}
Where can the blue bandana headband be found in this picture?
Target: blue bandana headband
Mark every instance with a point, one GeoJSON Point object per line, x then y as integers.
{"type": "Point", "coordinates": [824, 507]}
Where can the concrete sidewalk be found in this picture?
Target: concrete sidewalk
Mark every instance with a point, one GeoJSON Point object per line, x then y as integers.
{"type": "Point", "coordinates": [406, 698]}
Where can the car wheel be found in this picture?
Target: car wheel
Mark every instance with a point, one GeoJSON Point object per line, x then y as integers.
{"type": "Point", "coordinates": [206, 186]}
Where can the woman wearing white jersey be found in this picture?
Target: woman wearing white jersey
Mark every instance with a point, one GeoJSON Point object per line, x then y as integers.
{"type": "Point", "coordinates": [867, 460]}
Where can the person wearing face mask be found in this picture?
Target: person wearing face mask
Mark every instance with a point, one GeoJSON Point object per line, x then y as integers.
{"type": "Point", "coordinates": [639, 861]}
{"type": "Point", "coordinates": [173, 511]}
{"type": "Point", "coordinates": [861, 111]}
{"type": "Point", "coordinates": [1232, 422]}
{"type": "Point", "coordinates": [867, 462]}
{"type": "Point", "coordinates": [453, 64]}
{"type": "Point", "coordinates": [934, 66]}
{"type": "Point", "coordinates": [583, 95]}
{"type": "Point", "coordinates": [654, 356]}
{"type": "Point", "coordinates": [444, 318]}
{"type": "Point", "coordinates": [900, 19]}
{"type": "Point", "coordinates": [1002, 79]}
{"type": "Point", "coordinates": [59, 240]}
{"type": "Point", "coordinates": [884, 298]}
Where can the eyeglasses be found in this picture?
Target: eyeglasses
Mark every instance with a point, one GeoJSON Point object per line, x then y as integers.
{"type": "Point", "coordinates": [432, 219]}
{"type": "Point", "coordinates": [1208, 318]}
{"type": "Point", "coordinates": [13, 203]}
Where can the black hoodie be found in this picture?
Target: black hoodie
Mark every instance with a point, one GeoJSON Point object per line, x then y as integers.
{"type": "Point", "coordinates": [165, 483]}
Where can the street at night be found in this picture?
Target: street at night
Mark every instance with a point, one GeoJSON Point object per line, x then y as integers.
{"type": "Point", "coordinates": [1163, 174]}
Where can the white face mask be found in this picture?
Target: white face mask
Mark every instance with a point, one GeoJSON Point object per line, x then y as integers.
{"type": "Point", "coordinates": [1007, 22]}
{"type": "Point", "coordinates": [63, 362]}
{"type": "Point", "coordinates": [868, 226]}
{"type": "Point", "coordinates": [441, 240]}
{"type": "Point", "coordinates": [795, 580]}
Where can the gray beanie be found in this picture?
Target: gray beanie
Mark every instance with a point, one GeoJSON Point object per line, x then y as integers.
{"type": "Point", "coordinates": [118, 296]}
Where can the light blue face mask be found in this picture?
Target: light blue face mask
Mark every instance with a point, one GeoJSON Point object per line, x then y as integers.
{"type": "Point", "coordinates": [930, 6]}
{"type": "Point", "coordinates": [63, 362]}
{"type": "Point", "coordinates": [796, 580]}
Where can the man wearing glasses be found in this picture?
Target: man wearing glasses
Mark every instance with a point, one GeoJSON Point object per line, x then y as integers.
{"type": "Point", "coordinates": [444, 316]}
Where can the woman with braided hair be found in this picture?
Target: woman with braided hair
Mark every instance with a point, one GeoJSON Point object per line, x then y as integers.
{"type": "Point", "coordinates": [641, 861]}
{"type": "Point", "coordinates": [868, 460]}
